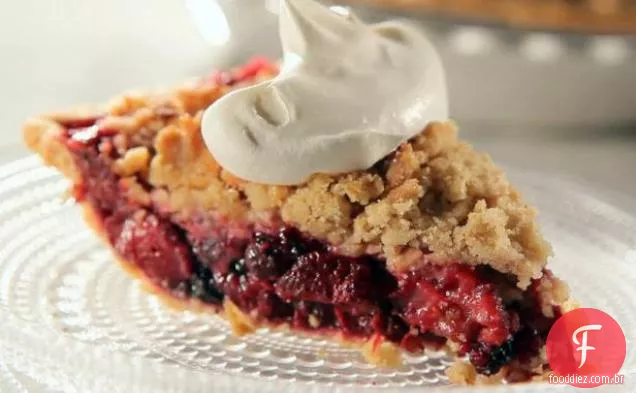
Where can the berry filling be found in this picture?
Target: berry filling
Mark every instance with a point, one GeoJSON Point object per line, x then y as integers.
{"type": "Point", "coordinates": [278, 275]}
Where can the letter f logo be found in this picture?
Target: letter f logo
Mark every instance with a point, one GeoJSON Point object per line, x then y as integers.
{"type": "Point", "coordinates": [583, 344]}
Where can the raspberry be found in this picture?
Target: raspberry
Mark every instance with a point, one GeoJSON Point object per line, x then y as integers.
{"type": "Point", "coordinates": [155, 247]}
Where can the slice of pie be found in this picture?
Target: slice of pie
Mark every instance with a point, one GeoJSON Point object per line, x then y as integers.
{"type": "Point", "coordinates": [431, 247]}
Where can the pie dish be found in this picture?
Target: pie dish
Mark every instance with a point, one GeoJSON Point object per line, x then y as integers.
{"type": "Point", "coordinates": [602, 16]}
{"type": "Point", "coordinates": [430, 248]}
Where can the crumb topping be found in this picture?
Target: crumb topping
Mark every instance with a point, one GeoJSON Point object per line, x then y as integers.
{"type": "Point", "coordinates": [434, 200]}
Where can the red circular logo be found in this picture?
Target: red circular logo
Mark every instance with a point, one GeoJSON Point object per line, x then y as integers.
{"type": "Point", "coordinates": [585, 345]}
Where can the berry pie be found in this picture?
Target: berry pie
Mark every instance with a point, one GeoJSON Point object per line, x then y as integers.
{"type": "Point", "coordinates": [430, 247]}
{"type": "Point", "coordinates": [238, 194]}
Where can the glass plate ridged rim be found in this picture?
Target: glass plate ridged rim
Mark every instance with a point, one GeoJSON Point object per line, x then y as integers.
{"type": "Point", "coordinates": [73, 321]}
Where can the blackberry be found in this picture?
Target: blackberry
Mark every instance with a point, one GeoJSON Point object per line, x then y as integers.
{"type": "Point", "coordinates": [202, 286]}
{"type": "Point", "coordinates": [489, 360]}
{"type": "Point", "coordinates": [268, 257]}
{"type": "Point", "coordinates": [237, 267]}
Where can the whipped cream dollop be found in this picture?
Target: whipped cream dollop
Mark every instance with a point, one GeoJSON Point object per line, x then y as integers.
{"type": "Point", "coordinates": [347, 95]}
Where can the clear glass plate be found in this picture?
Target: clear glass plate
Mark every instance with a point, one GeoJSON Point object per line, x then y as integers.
{"type": "Point", "coordinates": [71, 320]}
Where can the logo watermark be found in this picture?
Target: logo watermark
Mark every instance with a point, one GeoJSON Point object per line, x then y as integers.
{"type": "Point", "coordinates": [586, 348]}
{"type": "Point", "coordinates": [590, 380]}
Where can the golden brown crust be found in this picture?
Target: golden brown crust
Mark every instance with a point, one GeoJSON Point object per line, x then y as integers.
{"type": "Point", "coordinates": [42, 135]}
{"type": "Point", "coordinates": [434, 200]}
{"type": "Point", "coordinates": [381, 352]}
{"type": "Point", "coordinates": [601, 16]}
